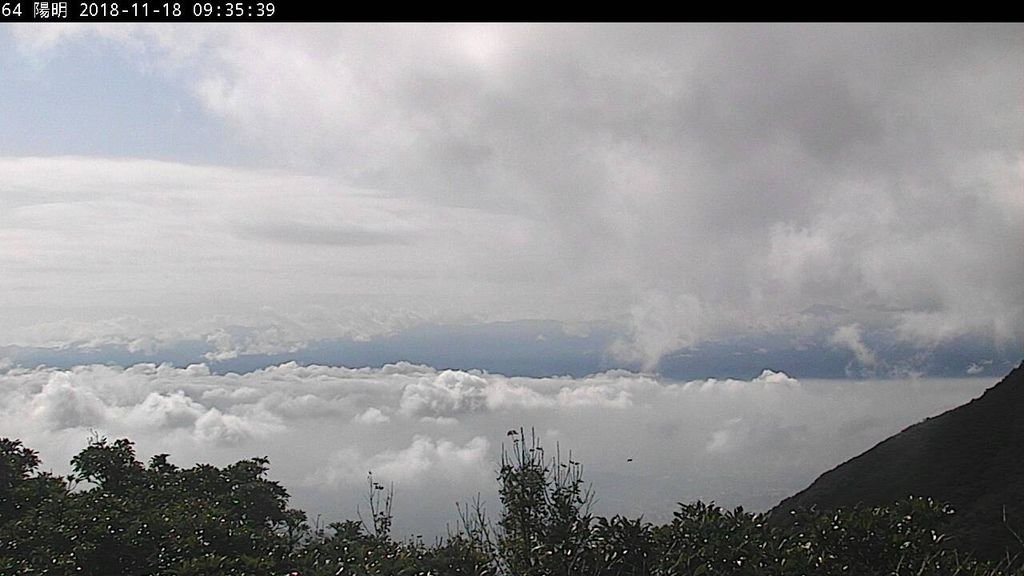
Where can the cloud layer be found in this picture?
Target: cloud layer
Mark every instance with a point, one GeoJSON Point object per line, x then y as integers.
{"type": "Point", "coordinates": [688, 183]}
{"type": "Point", "coordinates": [646, 442]}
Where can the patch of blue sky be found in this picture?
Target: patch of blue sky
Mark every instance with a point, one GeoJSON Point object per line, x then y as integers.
{"type": "Point", "coordinates": [90, 97]}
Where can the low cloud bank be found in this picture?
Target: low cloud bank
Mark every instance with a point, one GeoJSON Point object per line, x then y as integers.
{"type": "Point", "coordinates": [646, 441]}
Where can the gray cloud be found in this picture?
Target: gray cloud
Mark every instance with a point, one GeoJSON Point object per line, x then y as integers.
{"type": "Point", "coordinates": [320, 234]}
{"type": "Point", "coordinates": [689, 182]}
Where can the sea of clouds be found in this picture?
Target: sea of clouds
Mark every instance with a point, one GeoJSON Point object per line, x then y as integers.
{"type": "Point", "coordinates": [646, 442]}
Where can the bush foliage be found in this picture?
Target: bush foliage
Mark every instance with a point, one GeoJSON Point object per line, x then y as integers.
{"type": "Point", "coordinates": [113, 515]}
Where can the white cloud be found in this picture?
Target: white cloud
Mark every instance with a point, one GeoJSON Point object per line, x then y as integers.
{"type": "Point", "coordinates": [453, 392]}
{"type": "Point", "coordinates": [372, 416]}
{"type": "Point", "coordinates": [605, 395]}
{"type": "Point", "coordinates": [449, 393]}
{"type": "Point", "coordinates": [780, 379]}
{"type": "Point", "coordinates": [437, 434]}
{"type": "Point", "coordinates": [660, 324]}
{"type": "Point", "coordinates": [65, 403]}
{"type": "Point", "coordinates": [978, 367]}
{"type": "Point", "coordinates": [849, 337]}
{"type": "Point", "coordinates": [216, 427]}
{"type": "Point", "coordinates": [768, 381]}
{"type": "Point", "coordinates": [175, 410]}
{"type": "Point", "coordinates": [424, 460]}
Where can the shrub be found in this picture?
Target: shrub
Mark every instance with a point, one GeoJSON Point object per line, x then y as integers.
{"type": "Point", "coordinates": [133, 519]}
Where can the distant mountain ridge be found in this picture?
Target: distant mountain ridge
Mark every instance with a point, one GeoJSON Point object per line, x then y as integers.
{"type": "Point", "coordinates": [971, 457]}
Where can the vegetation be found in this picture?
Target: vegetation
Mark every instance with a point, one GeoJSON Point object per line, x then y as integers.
{"type": "Point", "coordinates": [970, 457]}
{"type": "Point", "coordinates": [115, 516]}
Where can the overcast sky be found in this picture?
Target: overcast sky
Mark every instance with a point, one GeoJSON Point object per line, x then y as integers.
{"type": "Point", "coordinates": [685, 201]}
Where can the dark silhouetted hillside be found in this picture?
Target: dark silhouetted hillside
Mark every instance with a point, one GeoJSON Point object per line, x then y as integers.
{"type": "Point", "coordinates": [971, 457]}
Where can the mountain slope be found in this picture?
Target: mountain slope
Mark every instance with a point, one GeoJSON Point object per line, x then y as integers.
{"type": "Point", "coordinates": [971, 457]}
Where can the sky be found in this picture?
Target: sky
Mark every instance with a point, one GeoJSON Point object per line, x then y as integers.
{"type": "Point", "coordinates": [222, 239]}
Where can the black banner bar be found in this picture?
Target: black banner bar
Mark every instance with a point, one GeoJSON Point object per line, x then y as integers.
{"type": "Point", "coordinates": [153, 11]}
